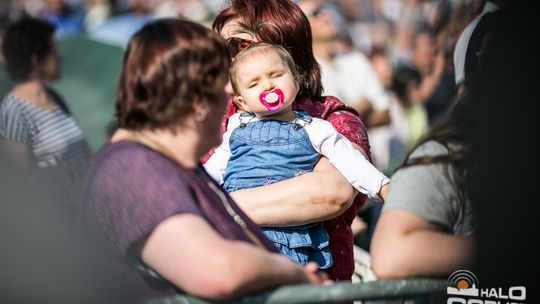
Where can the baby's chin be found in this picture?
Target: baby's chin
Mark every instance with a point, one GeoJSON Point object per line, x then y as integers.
{"type": "Point", "coordinates": [267, 113]}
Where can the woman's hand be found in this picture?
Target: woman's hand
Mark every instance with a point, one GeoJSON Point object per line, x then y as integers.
{"type": "Point", "coordinates": [316, 276]}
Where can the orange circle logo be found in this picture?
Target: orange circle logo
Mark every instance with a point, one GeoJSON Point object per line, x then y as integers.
{"type": "Point", "coordinates": [462, 284]}
{"type": "Point", "coordinates": [462, 279]}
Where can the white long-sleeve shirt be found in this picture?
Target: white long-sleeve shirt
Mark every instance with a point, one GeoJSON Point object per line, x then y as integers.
{"type": "Point", "coordinates": [352, 164]}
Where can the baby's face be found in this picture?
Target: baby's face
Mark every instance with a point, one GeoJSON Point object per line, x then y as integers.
{"type": "Point", "coordinates": [261, 76]}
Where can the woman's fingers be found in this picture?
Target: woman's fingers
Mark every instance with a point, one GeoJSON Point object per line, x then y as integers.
{"type": "Point", "coordinates": [317, 276]}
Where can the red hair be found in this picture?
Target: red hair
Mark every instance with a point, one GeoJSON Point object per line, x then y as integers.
{"type": "Point", "coordinates": [283, 23]}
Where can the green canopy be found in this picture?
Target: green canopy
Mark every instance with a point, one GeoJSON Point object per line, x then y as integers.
{"type": "Point", "coordinates": [90, 72]}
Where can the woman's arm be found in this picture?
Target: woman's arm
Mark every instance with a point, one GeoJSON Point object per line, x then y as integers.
{"type": "Point", "coordinates": [214, 267]}
{"type": "Point", "coordinates": [312, 197]}
{"type": "Point", "coordinates": [406, 245]}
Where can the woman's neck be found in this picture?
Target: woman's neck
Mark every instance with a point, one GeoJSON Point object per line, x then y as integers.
{"type": "Point", "coordinates": [33, 92]}
{"type": "Point", "coordinates": [181, 146]}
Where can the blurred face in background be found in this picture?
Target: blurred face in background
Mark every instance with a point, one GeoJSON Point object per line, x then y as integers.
{"type": "Point", "coordinates": [91, 3]}
{"type": "Point", "coordinates": [423, 52]}
{"type": "Point", "coordinates": [143, 6]}
{"type": "Point", "coordinates": [49, 68]}
{"type": "Point", "coordinates": [383, 68]}
{"type": "Point", "coordinates": [321, 18]}
{"type": "Point", "coordinates": [54, 5]}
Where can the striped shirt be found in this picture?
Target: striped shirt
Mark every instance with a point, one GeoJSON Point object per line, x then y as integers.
{"type": "Point", "coordinates": [53, 136]}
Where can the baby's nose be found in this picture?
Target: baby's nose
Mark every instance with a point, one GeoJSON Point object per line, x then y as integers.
{"type": "Point", "coordinates": [268, 85]}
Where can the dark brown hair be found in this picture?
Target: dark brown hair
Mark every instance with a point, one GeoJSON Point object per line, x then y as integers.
{"type": "Point", "coordinates": [261, 49]}
{"type": "Point", "coordinates": [169, 64]}
{"type": "Point", "coordinates": [23, 40]}
{"type": "Point", "coordinates": [279, 22]}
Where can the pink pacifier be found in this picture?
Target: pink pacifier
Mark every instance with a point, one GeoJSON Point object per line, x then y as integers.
{"type": "Point", "coordinates": [272, 100]}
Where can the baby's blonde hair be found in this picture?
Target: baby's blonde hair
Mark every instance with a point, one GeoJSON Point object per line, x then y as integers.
{"type": "Point", "coordinates": [246, 56]}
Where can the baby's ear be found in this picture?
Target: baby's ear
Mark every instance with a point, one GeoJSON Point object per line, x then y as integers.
{"type": "Point", "coordinates": [241, 104]}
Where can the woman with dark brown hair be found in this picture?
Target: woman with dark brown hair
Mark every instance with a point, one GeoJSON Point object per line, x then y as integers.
{"type": "Point", "coordinates": [321, 195]}
{"type": "Point", "coordinates": [148, 199]}
{"type": "Point", "coordinates": [37, 129]}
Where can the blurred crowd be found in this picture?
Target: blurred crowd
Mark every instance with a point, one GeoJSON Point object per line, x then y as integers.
{"type": "Point", "coordinates": [75, 16]}
{"type": "Point", "coordinates": [407, 44]}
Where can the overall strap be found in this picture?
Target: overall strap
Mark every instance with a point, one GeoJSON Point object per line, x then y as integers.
{"type": "Point", "coordinates": [301, 119]}
{"type": "Point", "coordinates": [245, 118]}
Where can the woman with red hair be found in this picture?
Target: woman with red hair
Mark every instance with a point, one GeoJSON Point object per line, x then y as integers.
{"type": "Point", "coordinates": [321, 195]}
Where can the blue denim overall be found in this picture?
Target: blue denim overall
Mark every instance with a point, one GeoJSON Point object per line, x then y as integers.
{"type": "Point", "coordinates": [268, 151]}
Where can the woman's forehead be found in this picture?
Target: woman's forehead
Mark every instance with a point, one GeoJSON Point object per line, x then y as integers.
{"type": "Point", "coordinates": [233, 28]}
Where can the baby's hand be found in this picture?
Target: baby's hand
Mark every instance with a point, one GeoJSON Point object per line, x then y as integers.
{"type": "Point", "coordinates": [384, 191]}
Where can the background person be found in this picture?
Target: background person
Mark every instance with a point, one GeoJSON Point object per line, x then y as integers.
{"type": "Point", "coordinates": [467, 50]}
{"type": "Point", "coordinates": [505, 91]}
{"type": "Point", "coordinates": [427, 224]}
{"type": "Point", "coordinates": [148, 200]}
{"type": "Point", "coordinates": [37, 128]}
{"type": "Point", "coordinates": [493, 122]}
{"type": "Point", "coordinates": [346, 74]}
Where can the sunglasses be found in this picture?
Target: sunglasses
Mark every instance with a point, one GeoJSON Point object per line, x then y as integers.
{"type": "Point", "coordinates": [236, 45]}
{"type": "Point", "coordinates": [316, 12]}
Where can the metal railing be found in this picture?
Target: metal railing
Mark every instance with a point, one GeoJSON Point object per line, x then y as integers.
{"type": "Point", "coordinates": [335, 293]}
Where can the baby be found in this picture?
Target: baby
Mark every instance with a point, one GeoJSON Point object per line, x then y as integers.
{"type": "Point", "coordinates": [270, 142]}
